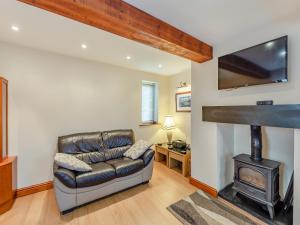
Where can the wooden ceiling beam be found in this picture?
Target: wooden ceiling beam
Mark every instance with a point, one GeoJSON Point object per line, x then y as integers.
{"type": "Point", "coordinates": [125, 20]}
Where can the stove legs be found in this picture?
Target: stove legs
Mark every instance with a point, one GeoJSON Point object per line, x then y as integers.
{"type": "Point", "coordinates": [234, 193]}
{"type": "Point", "coordinates": [271, 211]}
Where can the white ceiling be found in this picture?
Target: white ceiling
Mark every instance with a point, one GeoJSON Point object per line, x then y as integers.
{"type": "Point", "coordinates": [46, 31]}
{"type": "Point", "coordinates": [216, 21]}
{"type": "Point", "coordinates": [212, 21]}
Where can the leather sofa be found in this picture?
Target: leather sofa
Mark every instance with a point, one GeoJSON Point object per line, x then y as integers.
{"type": "Point", "coordinates": [111, 173]}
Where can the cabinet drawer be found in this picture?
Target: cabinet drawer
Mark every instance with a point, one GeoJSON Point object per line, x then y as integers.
{"type": "Point", "coordinates": [161, 150]}
{"type": "Point", "coordinates": [176, 156]}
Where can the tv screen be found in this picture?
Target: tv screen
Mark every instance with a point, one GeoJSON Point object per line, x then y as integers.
{"type": "Point", "coordinates": [261, 64]}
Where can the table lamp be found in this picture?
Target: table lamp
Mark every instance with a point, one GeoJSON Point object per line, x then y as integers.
{"type": "Point", "coordinates": [169, 125]}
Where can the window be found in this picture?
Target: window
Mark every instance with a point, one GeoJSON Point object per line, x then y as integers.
{"type": "Point", "coordinates": [149, 102]}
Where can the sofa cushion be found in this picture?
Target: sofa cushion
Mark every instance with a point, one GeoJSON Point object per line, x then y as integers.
{"type": "Point", "coordinates": [125, 166]}
{"type": "Point", "coordinates": [80, 143]}
{"type": "Point", "coordinates": [115, 153]}
{"type": "Point", "coordinates": [70, 162]}
{"type": "Point", "coordinates": [117, 138]}
{"type": "Point", "coordinates": [138, 149]}
{"type": "Point", "coordinates": [91, 157]}
{"type": "Point", "coordinates": [102, 172]}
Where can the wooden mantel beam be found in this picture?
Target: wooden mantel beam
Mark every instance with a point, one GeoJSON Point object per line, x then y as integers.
{"type": "Point", "coordinates": [125, 20]}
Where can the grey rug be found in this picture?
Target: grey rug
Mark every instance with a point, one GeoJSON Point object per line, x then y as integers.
{"type": "Point", "coordinates": [200, 209]}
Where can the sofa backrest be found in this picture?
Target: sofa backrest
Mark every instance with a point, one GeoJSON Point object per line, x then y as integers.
{"type": "Point", "coordinates": [95, 141]}
{"type": "Point", "coordinates": [80, 143]}
{"type": "Point", "coordinates": [117, 138]}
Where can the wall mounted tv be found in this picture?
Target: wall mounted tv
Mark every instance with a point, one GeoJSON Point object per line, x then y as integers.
{"type": "Point", "coordinates": [261, 64]}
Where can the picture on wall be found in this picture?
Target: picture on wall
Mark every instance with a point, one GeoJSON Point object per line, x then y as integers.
{"type": "Point", "coordinates": [183, 102]}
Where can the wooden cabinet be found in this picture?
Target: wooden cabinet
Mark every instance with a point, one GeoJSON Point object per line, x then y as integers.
{"type": "Point", "coordinates": [8, 165]}
{"type": "Point", "coordinates": [8, 170]}
{"type": "Point", "coordinates": [3, 119]}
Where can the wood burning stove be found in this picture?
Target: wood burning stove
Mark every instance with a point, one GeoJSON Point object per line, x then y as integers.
{"type": "Point", "coordinates": [255, 177]}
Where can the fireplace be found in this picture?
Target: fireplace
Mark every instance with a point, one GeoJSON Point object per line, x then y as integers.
{"type": "Point", "coordinates": [255, 177]}
{"type": "Point", "coordinates": [256, 180]}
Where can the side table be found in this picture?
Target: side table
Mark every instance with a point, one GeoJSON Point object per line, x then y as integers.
{"type": "Point", "coordinates": [183, 158]}
{"type": "Point", "coordinates": [162, 152]}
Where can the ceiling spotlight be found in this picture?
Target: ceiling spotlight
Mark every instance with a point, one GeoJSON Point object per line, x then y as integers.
{"type": "Point", "coordinates": [15, 28]}
{"type": "Point", "coordinates": [160, 66]}
{"type": "Point", "coordinates": [128, 57]}
{"type": "Point", "coordinates": [84, 46]}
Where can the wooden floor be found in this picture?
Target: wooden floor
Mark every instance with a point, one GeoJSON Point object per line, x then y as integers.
{"type": "Point", "coordinates": [142, 205]}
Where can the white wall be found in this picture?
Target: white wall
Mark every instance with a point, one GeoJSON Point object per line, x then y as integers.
{"type": "Point", "coordinates": [297, 178]}
{"type": "Point", "coordinates": [182, 119]}
{"type": "Point", "coordinates": [52, 95]}
{"type": "Point", "coordinates": [225, 150]}
{"type": "Point", "coordinates": [205, 163]}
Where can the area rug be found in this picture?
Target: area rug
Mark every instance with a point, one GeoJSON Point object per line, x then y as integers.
{"type": "Point", "coordinates": [200, 209]}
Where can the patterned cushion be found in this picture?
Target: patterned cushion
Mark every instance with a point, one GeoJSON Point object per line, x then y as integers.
{"type": "Point", "coordinates": [138, 149]}
{"type": "Point", "coordinates": [71, 162]}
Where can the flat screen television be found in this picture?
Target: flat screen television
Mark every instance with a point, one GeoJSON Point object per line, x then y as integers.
{"type": "Point", "coordinates": [262, 64]}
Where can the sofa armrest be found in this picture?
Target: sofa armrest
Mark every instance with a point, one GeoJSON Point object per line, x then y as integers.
{"type": "Point", "coordinates": [67, 177]}
{"type": "Point", "coordinates": [147, 156]}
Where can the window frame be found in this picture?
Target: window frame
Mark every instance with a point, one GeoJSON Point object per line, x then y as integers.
{"type": "Point", "coordinates": [155, 105]}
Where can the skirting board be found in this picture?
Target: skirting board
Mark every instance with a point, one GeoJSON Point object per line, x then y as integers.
{"type": "Point", "coordinates": [204, 187]}
{"type": "Point", "coordinates": [34, 189]}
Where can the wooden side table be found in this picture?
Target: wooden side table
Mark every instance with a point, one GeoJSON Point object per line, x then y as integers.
{"type": "Point", "coordinates": [183, 158]}
{"type": "Point", "coordinates": [161, 152]}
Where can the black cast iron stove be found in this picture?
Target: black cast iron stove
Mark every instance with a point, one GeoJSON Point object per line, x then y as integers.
{"type": "Point", "coordinates": [255, 177]}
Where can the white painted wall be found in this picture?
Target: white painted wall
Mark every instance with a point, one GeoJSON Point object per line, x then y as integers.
{"type": "Point", "coordinates": [225, 149]}
{"type": "Point", "coordinates": [297, 178]}
{"type": "Point", "coordinates": [52, 95]}
{"type": "Point", "coordinates": [182, 119]}
{"type": "Point", "coordinates": [205, 158]}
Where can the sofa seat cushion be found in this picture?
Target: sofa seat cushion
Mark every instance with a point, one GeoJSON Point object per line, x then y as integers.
{"type": "Point", "coordinates": [101, 173]}
{"type": "Point", "coordinates": [125, 166]}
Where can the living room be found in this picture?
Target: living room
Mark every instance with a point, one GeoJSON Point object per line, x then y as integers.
{"type": "Point", "coordinates": [100, 91]}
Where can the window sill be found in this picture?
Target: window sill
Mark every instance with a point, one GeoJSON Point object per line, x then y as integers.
{"type": "Point", "coordinates": [149, 124]}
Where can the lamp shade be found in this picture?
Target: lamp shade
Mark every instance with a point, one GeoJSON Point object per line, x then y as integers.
{"type": "Point", "coordinates": [169, 123]}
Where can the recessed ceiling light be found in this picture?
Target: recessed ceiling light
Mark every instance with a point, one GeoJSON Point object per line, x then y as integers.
{"type": "Point", "coordinates": [84, 46]}
{"type": "Point", "coordinates": [270, 44]}
{"type": "Point", "coordinates": [128, 57]}
{"type": "Point", "coordinates": [160, 66]}
{"type": "Point", "coordinates": [15, 28]}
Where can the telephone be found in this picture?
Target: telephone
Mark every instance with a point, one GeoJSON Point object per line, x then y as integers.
{"type": "Point", "coordinates": [179, 144]}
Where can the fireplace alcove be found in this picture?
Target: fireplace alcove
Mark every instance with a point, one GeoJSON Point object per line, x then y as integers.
{"type": "Point", "coordinates": [235, 121]}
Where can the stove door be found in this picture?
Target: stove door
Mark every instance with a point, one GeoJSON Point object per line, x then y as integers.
{"type": "Point", "coordinates": [253, 177]}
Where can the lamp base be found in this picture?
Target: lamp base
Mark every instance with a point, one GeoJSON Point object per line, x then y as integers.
{"type": "Point", "coordinates": [169, 136]}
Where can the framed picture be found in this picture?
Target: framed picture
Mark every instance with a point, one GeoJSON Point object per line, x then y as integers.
{"type": "Point", "coordinates": [183, 102]}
